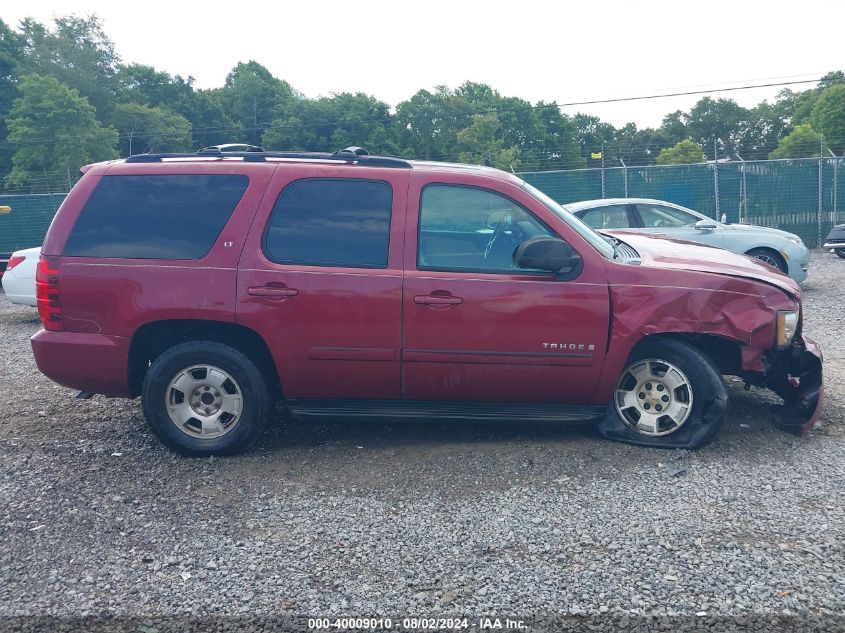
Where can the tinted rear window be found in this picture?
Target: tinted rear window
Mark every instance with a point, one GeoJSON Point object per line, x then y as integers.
{"type": "Point", "coordinates": [155, 217]}
{"type": "Point", "coordinates": [327, 222]}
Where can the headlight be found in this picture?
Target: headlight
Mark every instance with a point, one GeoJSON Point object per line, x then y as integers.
{"type": "Point", "coordinates": [795, 238]}
{"type": "Point", "coordinates": [787, 325]}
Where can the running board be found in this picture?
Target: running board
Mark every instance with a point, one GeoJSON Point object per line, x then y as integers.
{"type": "Point", "coordinates": [410, 409]}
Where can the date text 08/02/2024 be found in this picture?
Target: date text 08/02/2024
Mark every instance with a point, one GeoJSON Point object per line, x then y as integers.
{"type": "Point", "coordinates": [416, 624]}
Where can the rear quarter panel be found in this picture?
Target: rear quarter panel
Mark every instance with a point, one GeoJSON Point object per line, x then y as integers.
{"type": "Point", "coordinates": [116, 296]}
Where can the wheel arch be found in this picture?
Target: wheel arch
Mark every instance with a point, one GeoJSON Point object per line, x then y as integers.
{"type": "Point", "coordinates": [725, 352]}
{"type": "Point", "coordinates": [770, 249]}
{"type": "Point", "coordinates": [152, 339]}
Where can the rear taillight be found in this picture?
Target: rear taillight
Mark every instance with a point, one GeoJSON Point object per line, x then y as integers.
{"type": "Point", "coordinates": [14, 261]}
{"type": "Point", "coordinates": [47, 294]}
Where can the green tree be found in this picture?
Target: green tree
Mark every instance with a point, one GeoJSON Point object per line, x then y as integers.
{"type": "Point", "coordinates": [210, 124]}
{"type": "Point", "coordinates": [11, 57]}
{"type": "Point", "coordinates": [682, 153]}
{"type": "Point", "coordinates": [765, 125]}
{"type": "Point", "coordinates": [146, 129]}
{"type": "Point", "coordinates": [482, 142]}
{"type": "Point", "coordinates": [332, 123]}
{"type": "Point", "coordinates": [429, 122]}
{"type": "Point", "coordinates": [802, 142]}
{"type": "Point", "coordinates": [78, 53]}
{"type": "Point", "coordinates": [559, 146]}
{"type": "Point", "coordinates": [54, 129]}
{"type": "Point", "coordinates": [674, 127]}
{"type": "Point", "coordinates": [717, 120]}
{"type": "Point", "coordinates": [592, 133]}
{"type": "Point", "coordinates": [828, 117]}
{"type": "Point", "coordinates": [251, 95]}
{"type": "Point", "coordinates": [144, 84]}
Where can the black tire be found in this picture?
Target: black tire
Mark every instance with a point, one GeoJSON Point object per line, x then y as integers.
{"type": "Point", "coordinates": [771, 257]}
{"type": "Point", "coordinates": [840, 252]}
{"type": "Point", "coordinates": [256, 403]}
{"type": "Point", "coordinates": [709, 398]}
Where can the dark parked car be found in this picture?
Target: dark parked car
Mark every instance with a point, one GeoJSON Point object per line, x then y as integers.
{"type": "Point", "coordinates": [836, 240]}
{"type": "Point", "coordinates": [215, 284]}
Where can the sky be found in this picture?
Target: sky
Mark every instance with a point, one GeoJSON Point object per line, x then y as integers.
{"type": "Point", "coordinates": [552, 51]}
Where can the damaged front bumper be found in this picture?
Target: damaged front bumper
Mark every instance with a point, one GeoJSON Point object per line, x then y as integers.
{"type": "Point", "coordinates": [795, 374]}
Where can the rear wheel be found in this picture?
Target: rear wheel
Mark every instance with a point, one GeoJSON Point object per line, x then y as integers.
{"type": "Point", "coordinates": [770, 257]}
{"type": "Point", "coordinates": [840, 252]}
{"type": "Point", "coordinates": [205, 398]}
{"type": "Point", "coordinates": [669, 395]}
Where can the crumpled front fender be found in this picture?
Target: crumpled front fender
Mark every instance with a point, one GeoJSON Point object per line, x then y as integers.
{"type": "Point", "coordinates": [798, 380]}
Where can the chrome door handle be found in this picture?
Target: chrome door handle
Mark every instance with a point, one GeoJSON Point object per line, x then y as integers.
{"type": "Point", "coordinates": [274, 292]}
{"type": "Point", "coordinates": [438, 300]}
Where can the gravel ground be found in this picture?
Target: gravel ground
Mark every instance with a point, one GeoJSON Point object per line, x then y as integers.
{"type": "Point", "coordinates": [552, 526]}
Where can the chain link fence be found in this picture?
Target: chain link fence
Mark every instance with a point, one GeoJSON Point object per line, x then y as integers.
{"type": "Point", "coordinates": [801, 196]}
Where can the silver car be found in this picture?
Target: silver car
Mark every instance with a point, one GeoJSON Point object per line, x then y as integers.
{"type": "Point", "coordinates": [777, 248]}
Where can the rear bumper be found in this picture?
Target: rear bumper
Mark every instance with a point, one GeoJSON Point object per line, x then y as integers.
{"type": "Point", "coordinates": [88, 362]}
{"type": "Point", "coordinates": [833, 245]}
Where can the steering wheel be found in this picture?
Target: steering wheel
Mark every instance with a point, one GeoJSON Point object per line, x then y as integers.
{"type": "Point", "coordinates": [497, 234]}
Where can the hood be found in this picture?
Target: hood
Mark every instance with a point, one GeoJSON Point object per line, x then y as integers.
{"type": "Point", "coordinates": [754, 228]}
{"type": "Point", "coordinates": [682, 255]}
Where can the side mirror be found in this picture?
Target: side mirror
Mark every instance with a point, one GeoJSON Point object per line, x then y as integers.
{"type": "Point", "coordinates": [706, 225]}
{"type": "Point", "coordinates": [548, 253]}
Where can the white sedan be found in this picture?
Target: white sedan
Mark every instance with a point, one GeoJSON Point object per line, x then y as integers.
{"type": "Point", "coordinates": [780, 249]}
{"type": "Point", "coordinates": [19, 278]}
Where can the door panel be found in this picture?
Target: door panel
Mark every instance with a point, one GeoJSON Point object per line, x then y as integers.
{"type": "Point", "coordinates": [334, 329]}
{"type": "Point", "coordinates": [504, 336]}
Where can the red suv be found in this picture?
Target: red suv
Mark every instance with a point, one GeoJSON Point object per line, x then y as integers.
{"type": "Point", "coordinates": [214, 285]}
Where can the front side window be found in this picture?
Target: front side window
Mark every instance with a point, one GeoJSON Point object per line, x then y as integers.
{"type": "Point", "coordinates": [464, 228]}
{"type": "Point", "coordinates": [656, 216]}
{"type": "Point", "coordinates": [155, 217]}
{"type": "Point", "coordinates": [331, 222]}
{"type": "Point", "coordinates": [610, 217]}
{"type": "Point", "coordinates": [602, 244]}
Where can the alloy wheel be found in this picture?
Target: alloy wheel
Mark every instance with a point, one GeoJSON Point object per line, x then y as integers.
{"type": "Point", "coordinates": [204, 401]}
{"type": "Point", "coordinates": [653, 397]}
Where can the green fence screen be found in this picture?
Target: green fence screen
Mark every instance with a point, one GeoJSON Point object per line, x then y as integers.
{"type": "Point", "coordinates": [28, 221]}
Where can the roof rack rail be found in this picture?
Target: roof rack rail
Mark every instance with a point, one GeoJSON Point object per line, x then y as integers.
{"type": "Point", "coordinates": [231, 147]}
{"type": "Point", "coordinates": [356, 155]}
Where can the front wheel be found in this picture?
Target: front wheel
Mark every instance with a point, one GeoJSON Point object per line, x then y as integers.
{"type": "Point", "coordinates": [770, 257]}
{"type": "Point", "coordinates": [840, 252]}
{"type": "Point", "coordinates": [205, 398]}
{"type": "Point", "coordinates": [670, 395]}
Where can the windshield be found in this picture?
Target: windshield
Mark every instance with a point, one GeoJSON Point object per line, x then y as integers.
{"type": "Point", "coordinates": [598, 242]}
